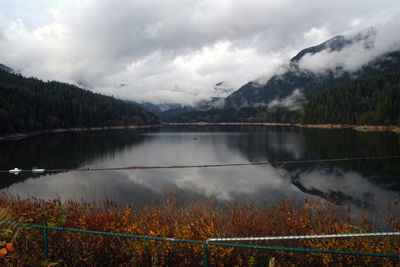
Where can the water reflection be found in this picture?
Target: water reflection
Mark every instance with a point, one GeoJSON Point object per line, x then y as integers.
{"type": "Point", "coordinates": [357, 183]}
{"type": "Point", "coordinates": [64, 151]}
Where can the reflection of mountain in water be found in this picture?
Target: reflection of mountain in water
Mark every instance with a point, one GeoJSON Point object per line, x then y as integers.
{"type": "Point", "coordinates": [337, 143]}
{"type": "Point", "coordinates": [66, 150]}
{"type": "Point", "coordinates": [287, 144]}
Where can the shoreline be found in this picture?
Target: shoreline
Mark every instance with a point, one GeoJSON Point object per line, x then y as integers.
{"type": "Point", "coordinates": [360, 128]}
{"type": "Point", "coordinates": [20, 136]}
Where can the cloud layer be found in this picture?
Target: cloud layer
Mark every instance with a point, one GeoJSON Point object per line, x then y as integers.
{"type": "Point", "coordinates": [176, 51]}
{"type": "Point", "coordinates": [365, 47]}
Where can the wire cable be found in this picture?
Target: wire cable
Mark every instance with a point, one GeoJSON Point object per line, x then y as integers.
{"type": "Point", "coordinates": [207, 165]}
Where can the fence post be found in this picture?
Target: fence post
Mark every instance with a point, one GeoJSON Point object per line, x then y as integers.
{"type": "Point", "coordinates": [45, 245]}
{"type": "Point", "coordinates": [205, 254]}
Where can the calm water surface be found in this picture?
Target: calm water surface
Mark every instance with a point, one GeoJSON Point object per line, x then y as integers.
{"type": "Point", "coordinates": [360, 183]}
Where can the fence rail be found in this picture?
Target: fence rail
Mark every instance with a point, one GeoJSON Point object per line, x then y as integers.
{"type": "Point", "coordinates": [288, 237]}
{"type": "Point", "coordinates": [219, 241]}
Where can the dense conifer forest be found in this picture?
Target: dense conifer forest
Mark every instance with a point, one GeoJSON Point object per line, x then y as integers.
{"type": "Point", "coordinates": [374, 100]}
{"type": "Point", "coordinates": [28, 104]}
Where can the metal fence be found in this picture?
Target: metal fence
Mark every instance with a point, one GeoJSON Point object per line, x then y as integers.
{"type": "Point", "coordinates": [222, 242]}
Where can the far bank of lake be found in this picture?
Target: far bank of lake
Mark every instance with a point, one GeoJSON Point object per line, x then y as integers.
{"type": "Point", "coordinates": [22, 135]}
{"type": "Point", "coordinates": [361, 128]}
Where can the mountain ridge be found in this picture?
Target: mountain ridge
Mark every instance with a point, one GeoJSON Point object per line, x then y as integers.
{"type": "Point", "coordinates": [310, 83]}
{"type": "Point", "coordinates": [6, 68]}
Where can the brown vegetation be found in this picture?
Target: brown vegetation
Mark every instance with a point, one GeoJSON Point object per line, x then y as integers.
{"type": "Point", "coordinates": [194, 220]}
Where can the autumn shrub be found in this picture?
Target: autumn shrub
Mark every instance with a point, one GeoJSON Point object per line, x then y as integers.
{"type": "Point", "coordinates": [9, 234]}
{"type": "Point", "coordinates": [191, 220]}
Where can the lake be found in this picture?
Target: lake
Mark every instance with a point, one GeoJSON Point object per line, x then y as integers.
{"type": "Point", "coordinates": [360, 182]}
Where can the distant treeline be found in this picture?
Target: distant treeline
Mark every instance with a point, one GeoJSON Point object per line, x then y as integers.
{"type": "Point", "coordinates": [374, 100]}
{"type": "Point", "coordinates": [28, 104]}
{"type": "Point", "coordinates": [246, 114]}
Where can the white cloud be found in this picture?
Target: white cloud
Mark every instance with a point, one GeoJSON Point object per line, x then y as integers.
{"type": "Point", "coordinates": [375, 42]}
{"type": "Point", "coordinates": [292, 102]}
{"type": "Point", "coordinates": [193, 74]}
{"type": "Point", "coordinates": [317, 35]}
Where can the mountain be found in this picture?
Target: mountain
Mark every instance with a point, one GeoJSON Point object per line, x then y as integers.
{"type": "Point", "coordinates": [294, 77]}
{"type": "Point", "coordinates": [335, 44]}
{"type": "Point", "coordinates": [206, 104]}
{"type": "Point", "coordinates": [221, 89]}
{"type": "Point", "coordinates": [157, 108]}
{"type": "Point", "coordinates": [28, 104]}
{"type": "Point", "coordinates": [168, 111]}
{"type": "Point", "coordinates": [6, 69]}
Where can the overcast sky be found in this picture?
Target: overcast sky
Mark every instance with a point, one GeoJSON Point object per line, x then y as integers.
{"type": "Point", "coordinates": [177, 50]}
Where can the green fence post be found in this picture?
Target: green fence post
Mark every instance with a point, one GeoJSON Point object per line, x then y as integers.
{"type": "Point", "coordinates": [205, 254]}
{"type": "Point", "coordinates": [45, 244]}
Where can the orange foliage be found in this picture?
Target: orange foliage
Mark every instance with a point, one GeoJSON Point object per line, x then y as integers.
{"type": "Point", "coordinates": [194, 220]}
{"type": "Point", "coordinates": [10, 247]}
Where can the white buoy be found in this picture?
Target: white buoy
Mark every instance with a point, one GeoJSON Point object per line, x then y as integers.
{"type": "Point", "coordinates": [15, 171]}
{"type": "Point", "coordinates": [38, 170]}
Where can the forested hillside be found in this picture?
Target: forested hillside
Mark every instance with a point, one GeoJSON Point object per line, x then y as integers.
{"type": "Point", "coordinates": [247, 114]}
{"type": "Point", "coordinates": [374, 100]}
{"type": "Point", "coordinates": [28, 104]}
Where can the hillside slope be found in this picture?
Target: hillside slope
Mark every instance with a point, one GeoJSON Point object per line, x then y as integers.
{"type": "Point", "coordinates": [28, 104]}
{"type": "Point", "coordinates": [374, 100]}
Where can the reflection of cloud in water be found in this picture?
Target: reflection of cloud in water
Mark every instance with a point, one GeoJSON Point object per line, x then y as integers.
{"type": "Point", "coordinates": [288, 142]}
{"type": "Point", "coordinates": [88, 186]}
{"type": "Point", "coordinates": [138, 186]}
{"type": "Point", "coordinates": [357, 189]}
{"type": "Point", "coordinates": [223, 183]}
